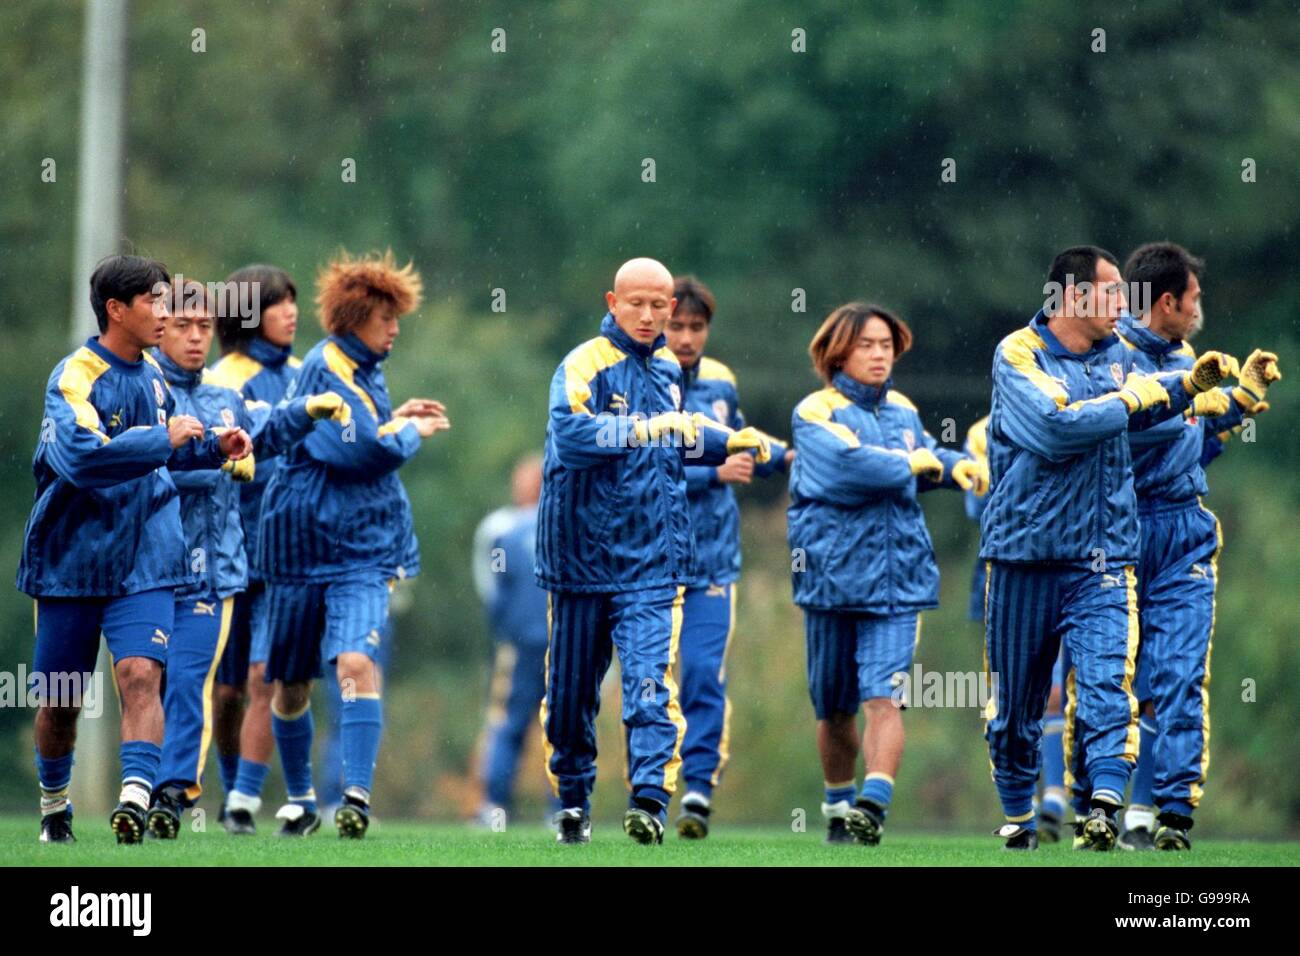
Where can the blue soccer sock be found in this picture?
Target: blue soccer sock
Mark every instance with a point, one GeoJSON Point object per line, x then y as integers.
{"type": "Point", "coordinates": [1145, 773]}
{"type": "Point", "coordinates": [293, 736]}
{"type": "Point", "coordinates": [140, 760]}
{"type": "Point", "coordinates": [1053, 753]}
{"type": "Point", "coordinates": [1018, 804]}
{"type": "Point", "coordinates": [878, 788]}
{"type": "Point", "coordinates": [249, 777]}
{"type": "Point", "coordinates": [229, 764]}
{"type": "Point", "coordinates": [360, 728]}
{"type": "Point", "coordinates": [1109, 776]}
{"type": "Point", "coordinates": [55, 776]}
{"type": "Point", "coordinates": [841, 792]}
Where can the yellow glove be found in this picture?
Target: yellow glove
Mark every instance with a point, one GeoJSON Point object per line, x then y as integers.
{"type": "Point", "coordinates": [329, 405]}
{"type": "Point", "coordinates": [925, 465]}
{"type": "Point", "coordinates": [1143, 391]}
{"type": "Point", "coordinates": [1209, 372]}
{"type": "Point", "coordinates": [242, 470]}
{"type": "Point", "coordinates": [971, 475]}
{"type": "Point", "coordinates": [652, 430]}
{"type": "Point", "coordinates": [1209, 404]}
{"type": "Point", "coordinates": [750, 439]}
{"type": "Point", "coordinates": [1257, 374]}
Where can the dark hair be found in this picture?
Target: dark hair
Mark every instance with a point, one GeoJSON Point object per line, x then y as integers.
{"type": "Point", "coordinates": [123, 278]}
{"type": "Point", "coordinates": [274, 286]}
{"type": "Point", "coordinates": [839, 334]}
{"type": "Point", "coordinates": [1077, 264]}
{"type": "Point", "coordinates": [1166, 266]}
{"type": "Point", "coordinates": [693, 297]}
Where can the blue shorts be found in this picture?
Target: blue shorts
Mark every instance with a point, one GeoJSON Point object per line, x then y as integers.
{"type": "Point", "coordinates": [854, 657]}
{"type": "Point", "coordinates": [248, 641]}
{"type": "Point", "coordinates": [68, 629]}
{"type": "Point", "coordinates": [311, 624]}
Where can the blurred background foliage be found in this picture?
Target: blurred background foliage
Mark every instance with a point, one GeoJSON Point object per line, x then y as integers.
{"type": "Point", "coordinates": [775, 171]}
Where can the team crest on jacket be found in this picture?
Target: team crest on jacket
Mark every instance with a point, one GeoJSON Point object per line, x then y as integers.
{"type": "Point", "coordinates": [1117, 373]}
{"type": "Point", "coordinates": [720, 410]}
{"type": "Point", "coordinates": [676, 393]}
{"type": "Point", "coordinates": [228, 418]}
{"type": "Point", "coordinates": [909, 439]}
{"type": "Point", "coordinates": [158, 392]}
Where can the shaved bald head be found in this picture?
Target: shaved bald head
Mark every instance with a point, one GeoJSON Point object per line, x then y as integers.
{"type": "Point", "coordinates": [642, 298]}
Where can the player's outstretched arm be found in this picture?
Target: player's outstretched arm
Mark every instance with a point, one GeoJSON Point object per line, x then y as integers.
{"type": "Point", "coordinates": [1036, 412]}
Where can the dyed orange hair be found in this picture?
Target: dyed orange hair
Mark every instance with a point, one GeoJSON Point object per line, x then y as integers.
{"type": "Point", "coordinates": [349, 289]}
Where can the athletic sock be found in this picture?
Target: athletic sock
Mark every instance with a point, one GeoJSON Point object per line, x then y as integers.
{"type": "Point", "coordinates": [140, 760]}
{"type": "Point", "coordinates": [879, 789]}
{"type": "Point", "coordinates": [55, 776]}
{"type": "Point", "coordinates": [360, 727]}
{"type": "Point", "coordinates": [229, 764]}
{"type": "Point", "coordinates": [841, 792]}
{"type": "Point", "coordinates": [249, 777]}
{"type": "Point", "coordinates": [1109, 777]}
{"type": "Point", "coordinates": [1018, 804]}
{"type": "Point", "coordinates": [293, 735]}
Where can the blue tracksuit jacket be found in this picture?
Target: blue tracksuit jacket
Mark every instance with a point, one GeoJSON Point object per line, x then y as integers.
{"type": "Point", "coordinates": [106, 521]}
{"type": "Point", "coordinates": [1061, 478]}
{"type": "Point", "coordinates": [335, 507]}
{"type": "Point", "coordinates": [210, 498]}
{"type": "Point", "coordinates": [614, 515]}
{"type": "Point", "coordinates": [854, 515]}
{"type": "Point", "coordinates": [262, 375]}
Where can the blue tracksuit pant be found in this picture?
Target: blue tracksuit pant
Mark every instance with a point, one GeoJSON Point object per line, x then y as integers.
{"type": "Point", "coordinates": [644, 626]}
{"type": "Point", "coordinates": [193, 655]}
{"type": "Point", "coordinates": [1176, 586]}
{"type": "Point", "coordinates": [1031, 610]}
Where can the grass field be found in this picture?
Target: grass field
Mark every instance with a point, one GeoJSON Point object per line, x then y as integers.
{"type": "Point", "coordinates": [421, 844]}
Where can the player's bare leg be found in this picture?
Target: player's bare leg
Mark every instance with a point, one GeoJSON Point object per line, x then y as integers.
{"type": "Point", "coordinates": [139, 685]}
{"type": "Point", "coordinates": [838, 748]}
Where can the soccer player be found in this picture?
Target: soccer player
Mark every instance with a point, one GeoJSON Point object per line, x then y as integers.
{"type": "Point", "coordinates": [1060, 533]}
{"type": "Point", "coordinates": [103, 548]}
{"type": "Point", "coordinates": [615, 549]}
{"type": "Point", "coordinates": [1180, 543]}
{"type": "Point", "coordinates": [504, 546]}
{"type": "Point", "coordinates": [709, 607]}
{"type": "Point", "coordinates": [337, 531]}
{"type": "Point", "coordinates": [256, 361]}
{"type": "Point", "coordinates": [214, 538]}
{"type": "Point", "coordinates": [863, 565]}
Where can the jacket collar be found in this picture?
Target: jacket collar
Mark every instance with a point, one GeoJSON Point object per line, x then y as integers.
{"type": "Point", "coordinates": [268, 355]}
{"type": "Point", "coordinates": [174, 374]}
{"type": "Point", "coordinates": [1039, 324]}
{"type": "Point", "coordinates": [1142, 336]}
{"type": "Point", "coordinates": [116, 361]}
{"type": "Point", "coordinates": [356, 350]}
{"type": "Point", "coordinates": [868, 396]}
{"type": "Point", "coordinates": [609, 328]}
